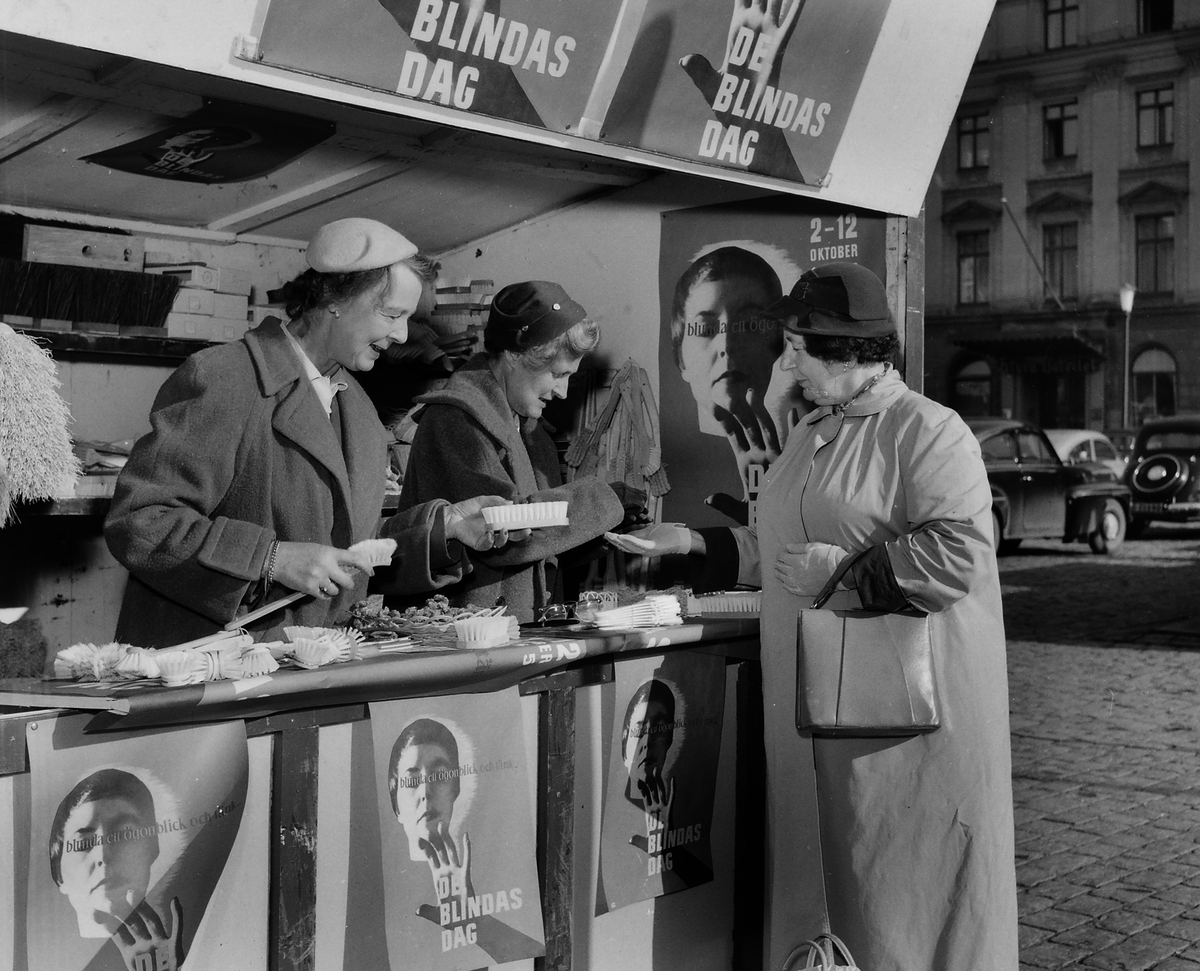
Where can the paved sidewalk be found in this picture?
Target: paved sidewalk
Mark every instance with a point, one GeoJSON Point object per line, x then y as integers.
{"type": "Point", "coordinates": [1106, 754]}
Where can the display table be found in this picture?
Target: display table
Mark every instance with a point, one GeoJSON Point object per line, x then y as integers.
{"type": "Point", "coordinates": [300, 724]}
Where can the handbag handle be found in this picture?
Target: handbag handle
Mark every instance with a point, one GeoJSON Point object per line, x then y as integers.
{"type": "Point", "coordinates": [831, 584]}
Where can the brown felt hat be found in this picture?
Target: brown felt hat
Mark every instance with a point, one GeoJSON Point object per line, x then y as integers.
{"type": "Point", "coordinates": [527, 314]}
{"type": "Point", "coordinates": [837, 300]}
{"type": "Point", "coordinates": [354, 244]}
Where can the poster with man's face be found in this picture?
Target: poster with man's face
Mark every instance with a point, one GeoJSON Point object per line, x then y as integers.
{"type": "Point", "coordinates": [456, 814]}
{"type": "Point", "coordinates": [662, 770]}
{"type": "Point", "coordinates": [129, 834]}
{"type": "Point", "coordinates": [726, 395]}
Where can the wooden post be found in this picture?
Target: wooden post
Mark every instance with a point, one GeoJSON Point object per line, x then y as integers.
{"type": "Point", "coordinates": [293, 903]}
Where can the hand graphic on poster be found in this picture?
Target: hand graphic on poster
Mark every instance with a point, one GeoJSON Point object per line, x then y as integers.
{"type": "Point", "coordinates": [759, 31]}
{"type": "Point", "coordinates": [755, 442]}
{"type": "Point", "coordinates": [458, 76]}
{"type": "Point", "coordinates": [144, 942]}
{"type": "Point", "coordinates": [657, 799]}
{"type": "Point", "coordinates": [451, 872]}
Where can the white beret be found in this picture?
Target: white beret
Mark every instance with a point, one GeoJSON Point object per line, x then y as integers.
{"type": "Point", "coordinates": [349, 245]}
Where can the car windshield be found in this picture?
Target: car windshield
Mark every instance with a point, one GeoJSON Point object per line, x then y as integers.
{"type": "Point", "coordinates": [1173, 441]}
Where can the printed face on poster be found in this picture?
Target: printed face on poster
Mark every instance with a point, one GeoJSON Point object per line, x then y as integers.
{"type": "Point", "coordinates": [662, 771]}
{"type": "Point", "coordinates": [760, 86]}
{"type": "Point", "coordinates": [727, 402]}
{"type": "Point", "coordinates": [130, 833]}
{"type": "Point", "coordinates": [456, 813]}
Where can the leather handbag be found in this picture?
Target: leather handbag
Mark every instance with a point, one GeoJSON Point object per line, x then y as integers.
{"type": "Point", "coordinates": [862, 673]}
{"type": "Point", "coordinates": [825, 952]}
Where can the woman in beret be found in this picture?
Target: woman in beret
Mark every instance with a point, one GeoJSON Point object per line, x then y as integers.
{"type": "Point", "coordinates": [266, 462]}
{"type": "Point", "coordinates": [483, 432]}
{"type": "Point", "coordinates": [916, 832]}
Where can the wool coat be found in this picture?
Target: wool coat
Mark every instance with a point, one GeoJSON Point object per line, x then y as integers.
{"type": "Point", "coordinates": [469, 443]}
{"type": "Point", "coordinates": [915, 833]}
{"type": "Point", "coordinates": [241, 453]}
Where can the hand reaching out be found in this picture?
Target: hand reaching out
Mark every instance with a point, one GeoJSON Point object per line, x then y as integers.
{"type": "Point", "coordinates": [465, 523]}
{"type": "Point", "coordinates": [322, 571]}
{"type": "Point", "coordinates": [145, 944]}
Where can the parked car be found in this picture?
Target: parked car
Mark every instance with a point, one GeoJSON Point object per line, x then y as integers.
{"type": "Point", "coordinates": [1036, 495]}
{"type": "Point", "coordinates": [1164, 472]}
{"type": "Point", "coordinates": [1083, 446]}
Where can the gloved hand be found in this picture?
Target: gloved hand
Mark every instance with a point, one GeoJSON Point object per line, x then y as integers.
{"type": "Point", "coordinates": [806, 567]}
{"type": "Point", "coordinates": [657, 540]}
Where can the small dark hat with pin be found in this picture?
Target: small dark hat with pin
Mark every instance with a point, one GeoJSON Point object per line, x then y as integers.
{"type": "Point", "coordinates": [524, 315]}
{"type": "Point", "coordinates": [836, 300]}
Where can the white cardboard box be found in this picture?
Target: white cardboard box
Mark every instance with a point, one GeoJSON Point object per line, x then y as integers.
{"type": "Point", "coordinates": [219, 278]}
{"type": "Point", "coordinates": [190, 300]}
{"type": "Point", "coordinates": [231, 306]}
{"type": "Point", "coordinates": [204, 328]}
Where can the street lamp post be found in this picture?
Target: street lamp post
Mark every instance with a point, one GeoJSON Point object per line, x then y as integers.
{"type": "Point", "coordinates": [1127, 292]}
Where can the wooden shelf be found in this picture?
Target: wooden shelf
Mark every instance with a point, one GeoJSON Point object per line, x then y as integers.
{"type": "Point", "coordinates": [76, 343]}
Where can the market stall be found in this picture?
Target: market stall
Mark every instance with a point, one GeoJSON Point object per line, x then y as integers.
{"type": "Point", "coordinates": [610, 149]}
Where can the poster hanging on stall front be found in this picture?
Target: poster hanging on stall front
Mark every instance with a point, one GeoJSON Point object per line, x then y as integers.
{"type": "Point", "coordinates": [527, 61]}
{"type": "Point", "coordinates": [130, 832]}
{"type": "Point", "coordinates": [456, 814]}
{"type": "Point", "coordinates": [662, 776]}
{"type": "Point", "coordinates": [726, 405]}
{"type": "Point", "coordinates": [761, 86]}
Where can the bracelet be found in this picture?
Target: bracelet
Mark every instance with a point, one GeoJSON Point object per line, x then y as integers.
{"type": "Point", "coordinates": [270, 574]}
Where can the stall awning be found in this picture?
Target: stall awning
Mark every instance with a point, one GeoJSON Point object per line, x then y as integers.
{"type": "Point", "coordinates": [1045, 348]}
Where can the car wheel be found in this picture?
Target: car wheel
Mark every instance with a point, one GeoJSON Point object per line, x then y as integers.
{"type": "Point", "coordinates": [1002, 545]}
{"type": "Point", "coordinates": [1111, 532]}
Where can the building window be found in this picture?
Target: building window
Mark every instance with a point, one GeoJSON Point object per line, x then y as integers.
{"type": "Point", "coordinates": [1155, 15]}
{"type": "Point", "coordinates": [1153, 384]}
{"type": "Point", "coordinates": [1062, 23]}
{"type": "Point", "coordinates": [1061, 125]}
{"type": "Point", "coordinates": [972, 393]}
{"type": "Point", "coordinates": [1155, 253]}
{"type": "Point", "coordinates": [973, 267]}
{"type": "Point", "coordinates": [974, 149]}
{"type": "Point", "coordinates": [1156, 117]}
{"type": "Point", "coordinates": [1060, 257]}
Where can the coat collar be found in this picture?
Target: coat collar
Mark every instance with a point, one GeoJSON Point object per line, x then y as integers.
{"type": "Point", "coordinates": [886, 390]}
{"type": "Point", "coordinates": [474, 389]}
{"type": "Point", "coordinates": [299, 416]}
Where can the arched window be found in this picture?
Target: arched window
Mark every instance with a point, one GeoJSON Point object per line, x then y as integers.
{"type": "Point", "coordinates": [1153, 384]}
{"type": "Point", "coordinates": [973, 390]}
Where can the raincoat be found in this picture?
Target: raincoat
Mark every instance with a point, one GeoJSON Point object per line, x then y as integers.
{"type": "Point", "coordinates": [915, 833]}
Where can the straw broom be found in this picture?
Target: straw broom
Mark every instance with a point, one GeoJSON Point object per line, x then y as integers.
{"type": "Point", "coordinates": [36, 460]}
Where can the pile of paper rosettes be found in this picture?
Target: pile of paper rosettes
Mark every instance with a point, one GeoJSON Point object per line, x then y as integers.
{"type": "Point", "coordinates": [226, 656]}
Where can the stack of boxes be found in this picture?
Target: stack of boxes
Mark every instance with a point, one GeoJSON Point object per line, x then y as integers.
{"type": "Point", "coordinates": [461, 313]}
{"type": "Point", "coordinates": [213, 301]}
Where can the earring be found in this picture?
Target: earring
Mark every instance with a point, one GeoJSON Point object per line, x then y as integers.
{"type": "Point", "coordinates": [333, 310]}
{"type": "Point", "coordinates": [845, 365]}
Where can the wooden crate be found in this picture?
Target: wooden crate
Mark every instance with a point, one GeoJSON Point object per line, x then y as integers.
{"type": "Point", "coordinates": [76, 247]}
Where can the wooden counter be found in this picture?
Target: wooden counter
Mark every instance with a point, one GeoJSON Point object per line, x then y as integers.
{"type": "Point", "coordinates": [300, 724]}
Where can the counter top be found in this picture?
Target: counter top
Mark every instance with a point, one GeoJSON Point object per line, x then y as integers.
{"type": "Point", "coordinates": [373, 677]}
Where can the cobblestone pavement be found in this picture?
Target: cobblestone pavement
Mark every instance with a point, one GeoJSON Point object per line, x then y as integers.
{"type": "Point", "coordinates": [1104, 668]}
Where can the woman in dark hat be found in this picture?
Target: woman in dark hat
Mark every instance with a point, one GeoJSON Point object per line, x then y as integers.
{"type": "Point", "coordinates": [266, 461]}
{"type": "Point", "coordinates": [483, 432]}
{"type": "Point", "coordinates": [916, 833]}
